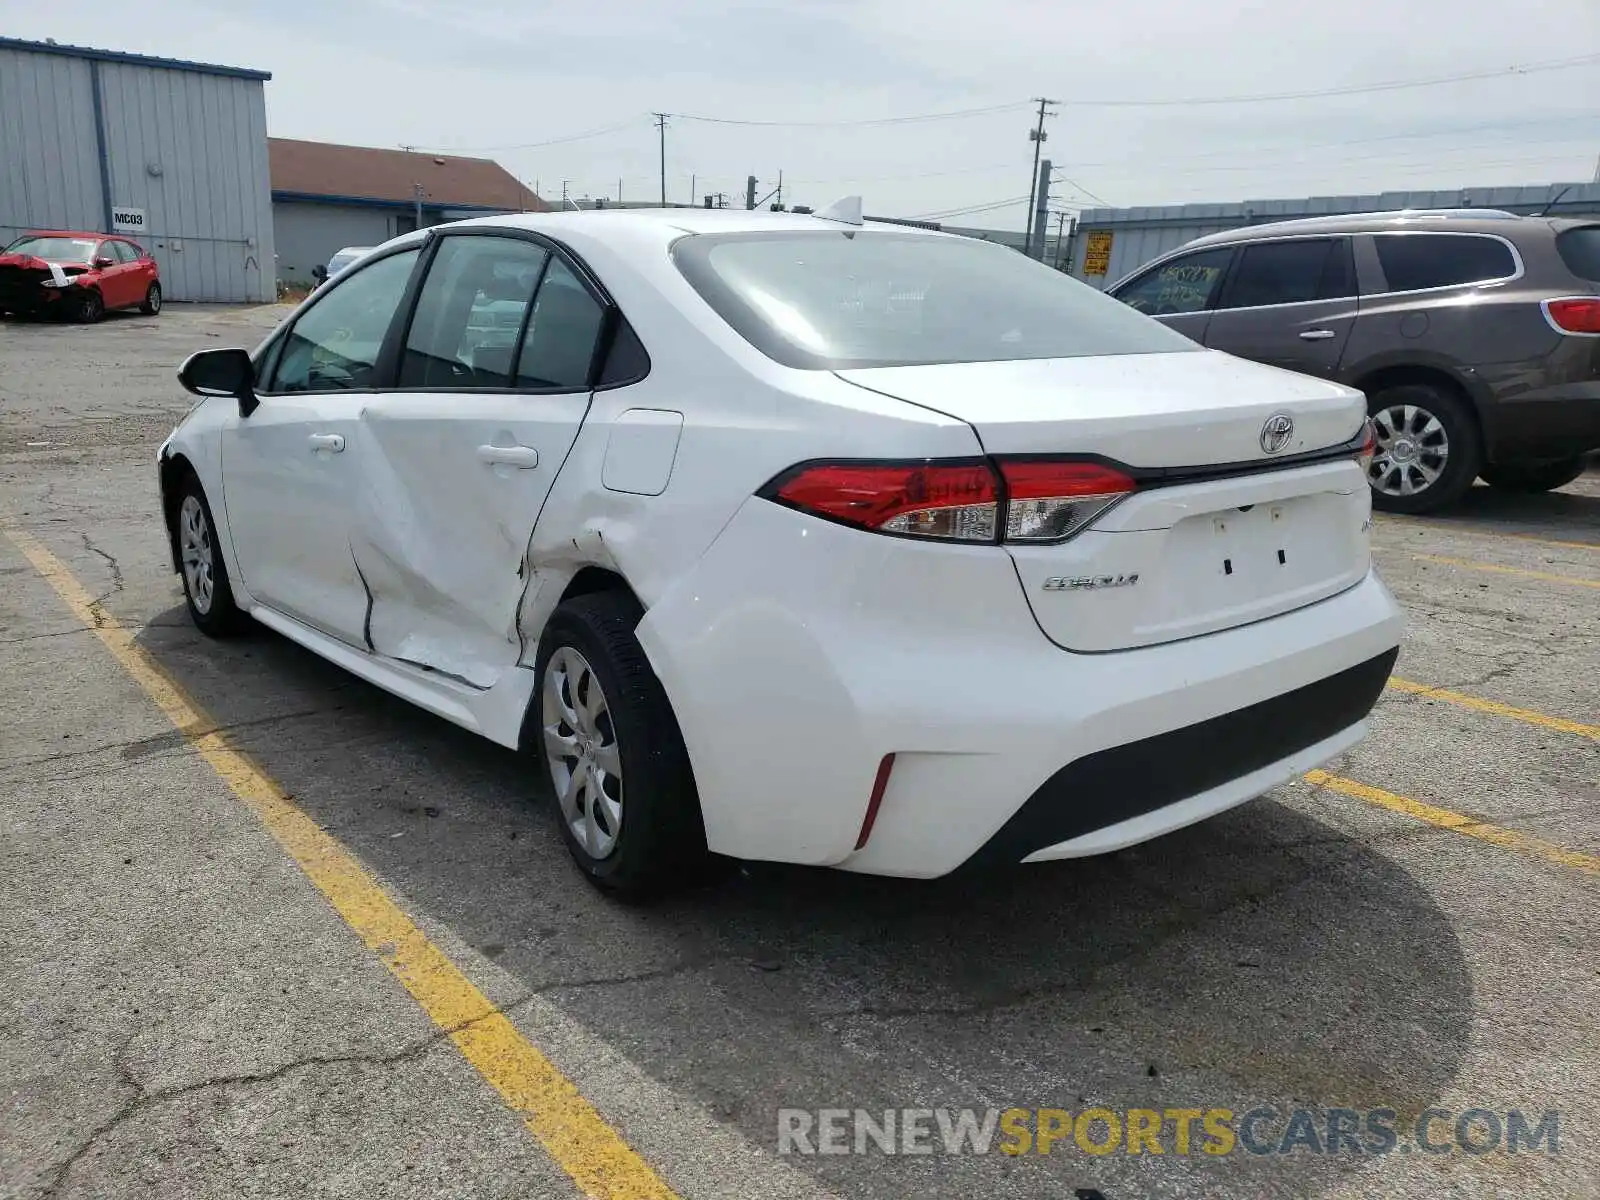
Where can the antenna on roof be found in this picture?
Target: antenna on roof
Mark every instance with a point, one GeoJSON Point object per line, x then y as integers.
{"type": "Point", "coordinates": [846, 210]}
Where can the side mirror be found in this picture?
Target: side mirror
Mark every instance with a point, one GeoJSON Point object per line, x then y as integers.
{"type": "Point", "coordinates": [226, 372]}
{"type": "Point", "coordinates": [104, 261]}
{"type": "Point", "coordinates": [319, 272]}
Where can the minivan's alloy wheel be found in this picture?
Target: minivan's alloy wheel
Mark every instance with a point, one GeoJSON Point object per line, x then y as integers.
{"type": "Point", "coordinates": [1428, 448]}
{"type": "Point", "coordinates": [205, 576]}
{"type": "Point", "coordinates": [152, 301]}
{"type": "Point", "coordinates": [602, 717]}
{"type": "Point", "coordinates": [580, 745]}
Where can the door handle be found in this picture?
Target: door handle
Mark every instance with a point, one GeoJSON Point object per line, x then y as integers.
{"type": "Point", "coordinates": [333, 442]}
{"type": "Point", "coordinates": [1316, 335]}
{"type": "Point", "coordinates": [509, 456]}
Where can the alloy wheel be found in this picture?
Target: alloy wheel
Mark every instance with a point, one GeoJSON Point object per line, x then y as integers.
{"type": "Point", "coordinates": [1411, 453]}
{"type": "Point", "coordinates": [581, 747]}
{"type": "Point", "coordinates": [195, 550]}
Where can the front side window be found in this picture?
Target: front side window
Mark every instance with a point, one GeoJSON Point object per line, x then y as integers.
{"type": "Point", "coordinates": [829, 300]}
{"type": "Point", "coordinates": [1181, 285]}
{"type": "Point", "coordinates": [1414, 261]}
{"type": "Point", "coordinates": [334, 344]}
{"type": "Point", "coordinates": [1279, 272]}
{"type": "Point", "coordinates": [470, 311]}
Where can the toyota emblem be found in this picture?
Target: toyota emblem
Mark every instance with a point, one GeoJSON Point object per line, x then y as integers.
{"type": "Point", "coordinates": [1275, 434]}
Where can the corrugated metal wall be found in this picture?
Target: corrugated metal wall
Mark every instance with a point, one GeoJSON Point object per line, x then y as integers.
{"type": "Point", "coordinates": [190, 149]}
{"type": "Point", "coordinates": [49, 169]}
{"type": "Point", "coordinates": [1141, 234]}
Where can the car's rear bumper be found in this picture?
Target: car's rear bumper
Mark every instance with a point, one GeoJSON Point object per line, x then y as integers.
{"type": "Point", "coordinates": [799, 654]}
{"type": "Point", "coordinates": [1549, 409]}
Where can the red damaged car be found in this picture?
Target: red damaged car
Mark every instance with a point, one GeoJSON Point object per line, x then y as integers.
{"type": "Point", "coordinates": [78, 275]}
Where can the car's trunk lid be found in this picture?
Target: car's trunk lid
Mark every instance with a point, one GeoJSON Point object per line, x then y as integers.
{"type": "Point", "coordinates": [1219, 533]}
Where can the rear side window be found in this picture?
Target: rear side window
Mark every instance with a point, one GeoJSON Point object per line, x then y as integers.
{"type": "Point", "coordinates": [1285, 272]}
{"type": "Point", "coordinates": [124, 252]}
{"type": "Point", "coordinates": [1414, 261]}
{"type": "Point", "coordinates": [1580, 250]}
{"type": "Point", "coordinates": [1182, 285]}
{"type": "Point", "coordinates": [469, 312]}
{"type": "Point", "coordinates": [562, 333]}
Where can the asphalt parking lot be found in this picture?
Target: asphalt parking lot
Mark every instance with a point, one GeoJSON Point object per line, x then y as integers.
{"type": "Point", "coordinates": [188, 1008]}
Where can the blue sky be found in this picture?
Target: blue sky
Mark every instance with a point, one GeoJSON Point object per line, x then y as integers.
{"type": "Point", "coordinates": [496, 76]}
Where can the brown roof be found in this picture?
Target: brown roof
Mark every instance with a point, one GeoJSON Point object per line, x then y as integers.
{"type": "Point", "coordinates": [324, 169]}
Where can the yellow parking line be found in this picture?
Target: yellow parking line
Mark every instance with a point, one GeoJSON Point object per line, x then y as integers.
{"type": "Point", "coordinates": [577, 1137]}
{"type": "Point", "coordinates": [1495, 708]}
{"type": "Point", "coordinates": [1443, 818]}
{"type": "Point", "coordinates": [1474, 565]}
{"type": "Point", "coordinates": [1475, 531]}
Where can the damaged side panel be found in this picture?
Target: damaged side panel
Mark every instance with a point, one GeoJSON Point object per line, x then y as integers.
{"type": "Point", "coordinates": [452, 486]}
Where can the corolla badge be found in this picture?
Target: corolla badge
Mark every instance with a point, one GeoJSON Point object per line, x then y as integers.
{"type": "Point", "coordinates": [1275, 434]}
{"type": "Point", "coordinates": [1080, 583]}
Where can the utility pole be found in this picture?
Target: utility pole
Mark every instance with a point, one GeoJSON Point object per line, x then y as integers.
{"type": "Point", "coordinates": [417, 193]}
{"type": "Point", "coordinates": [694, 188]}
{"type": "Point", "coordinates": [661, 125]}
{"type": "Point", "coordinates": [1041, 213]}
{"type": "Point", "coordinates": [1061, 233]}
{"type": "Point", "coordinates": [564, 200]}
{"type": "Point", "coordinates": [1037, 136]}
{"type": "Point", "coordinates": [750, 191]}
{"type": "Point", "coordinates": [1597, 170]}
{"type": "Point", "coordinates": [619, 191]}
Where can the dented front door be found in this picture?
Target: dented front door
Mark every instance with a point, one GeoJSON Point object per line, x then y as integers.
{"type": "Point", "coordinates": [457, 461]}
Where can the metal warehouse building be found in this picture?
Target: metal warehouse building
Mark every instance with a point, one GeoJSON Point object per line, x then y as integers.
{"type": "Point", "coordinates": [173, 154]}
{"type": "Point", "coordinates": [1111, 242]}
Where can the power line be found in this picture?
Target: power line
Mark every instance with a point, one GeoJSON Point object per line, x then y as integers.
{"type": "Point", "coordinates": [572, 137]}
{"type": "Point", "coordinates": [1087, 192]}
{"type": "Point", "coordinates": [987, 206]}
{"type": "Point", "coordinates": [937, 116]}
{"type": "Point", "coordinates": [1557, 64]}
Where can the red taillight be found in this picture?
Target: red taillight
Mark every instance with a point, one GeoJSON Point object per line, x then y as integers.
{"type": "Point", "coordinates": [962, 501]}
{"type": "Point", "coordinates": [1574, 314]}
{"type": "Point", "coordinates": [879, 784]}
{"type": "Point", "coordinates": [1050, 501]}
{"type": "Point", "coordinates": [949, 501]}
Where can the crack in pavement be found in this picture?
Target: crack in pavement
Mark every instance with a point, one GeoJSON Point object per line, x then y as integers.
{"type": "Point", "coordinates": [144, 1099]}
{"type": "Point", "coordinates": [97, 605]}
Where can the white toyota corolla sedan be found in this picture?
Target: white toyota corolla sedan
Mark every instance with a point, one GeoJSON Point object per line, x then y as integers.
{"type": "Point", "coordinates": [797, 538]}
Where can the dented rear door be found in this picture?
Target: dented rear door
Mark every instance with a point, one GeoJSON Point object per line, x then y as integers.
{"type": "Point", "coordinates": [457, 462]}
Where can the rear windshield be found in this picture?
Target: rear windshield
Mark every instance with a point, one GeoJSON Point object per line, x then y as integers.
{"type": "Point", "coordinates": [1580, 250]}
{"type": "Point", "coordinates": [55, 249]}
{"type": "Point", "coordinates": [862, 298]}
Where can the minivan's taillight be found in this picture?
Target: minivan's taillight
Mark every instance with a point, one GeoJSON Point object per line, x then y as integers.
{"type": "Point", "coordinates": [1369, 444]}
{"type": "Point", "coordinates": [1574, 314]}
{"type": "Point", "coordinates": [964, 500]}
{"type": "Point", "coordinates": [1050, 501]}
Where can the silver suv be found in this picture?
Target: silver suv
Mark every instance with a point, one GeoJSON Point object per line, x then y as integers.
{"type": "Point", "coordinates": [1474, 333]}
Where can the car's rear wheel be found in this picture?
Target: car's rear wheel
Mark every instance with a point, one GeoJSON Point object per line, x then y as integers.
{"type": "Point", "coordinates": [1532, 477]}
{"type": "Point", "coordinates": [623, 789]}
{"type": "Point", "coordinates": [91, 307]}
{"type": "Point", "coordinates": [1428, 448]}
{"type": "Point", "coordinates": [205, 575]}
{"type": "Point", "coordinates": [152, 301]}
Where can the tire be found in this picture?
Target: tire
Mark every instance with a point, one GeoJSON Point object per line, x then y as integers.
{"type": "Point", "coordinates": [91, 307]}
{"type": "Point", "coordinates": [206, 589]}
{"type": "Point", "coordinates": [1429, 448]}
{"type": "Point", "coordinates": [645, 840]}
{"type": "Point", "coordinates": [1533, 477]}
{"type": "Point", "coordinates": [152, 301]}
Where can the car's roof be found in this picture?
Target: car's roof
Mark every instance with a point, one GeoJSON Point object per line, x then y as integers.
{"type": "Point", "coordinates": [73, 233]}
{"type": "Point", "coordinates": [1490, 221]}
{"type": "Point", "coordinates": [668, 224]}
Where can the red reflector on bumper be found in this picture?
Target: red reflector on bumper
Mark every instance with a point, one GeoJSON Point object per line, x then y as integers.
{"type": "Point", "coordinates": [879, 786]}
